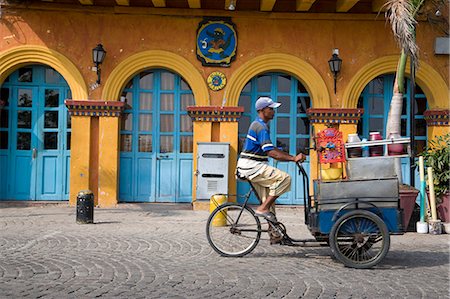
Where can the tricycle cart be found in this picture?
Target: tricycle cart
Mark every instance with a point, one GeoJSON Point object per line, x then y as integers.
{"type": "Point", "coordinates": [354, 215]}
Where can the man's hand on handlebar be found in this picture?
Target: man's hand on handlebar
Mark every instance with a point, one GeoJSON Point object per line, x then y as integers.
{"type": "Point", "coordinates": [299, 158]}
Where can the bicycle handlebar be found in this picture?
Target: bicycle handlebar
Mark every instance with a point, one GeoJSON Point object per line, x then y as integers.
{"type": "Point", "coordinates": [301, 170]}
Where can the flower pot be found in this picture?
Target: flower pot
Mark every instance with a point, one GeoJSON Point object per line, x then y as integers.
{"type": "Point", "coordinates": [408, 197]}
{"type": "Point", "coordinates": [443, 209]}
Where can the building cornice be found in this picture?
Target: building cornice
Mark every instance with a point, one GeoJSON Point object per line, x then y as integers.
{"type": "Point", "coordinates": [95, 108]}
{"type": "Point", "coordinates": [335, 115]}
{"type": "Point", "coordinates": [437, 117]}
{"type": "Point", "coordinates": [215, 113]}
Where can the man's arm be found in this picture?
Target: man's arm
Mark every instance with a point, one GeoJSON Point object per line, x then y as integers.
{"type": "Point", "coordinates": [283, 156]}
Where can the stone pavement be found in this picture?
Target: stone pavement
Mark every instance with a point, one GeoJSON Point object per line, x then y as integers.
{"type": "Point", "coordinates": [160, 251]}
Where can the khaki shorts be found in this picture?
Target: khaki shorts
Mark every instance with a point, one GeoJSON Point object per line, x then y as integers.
{"type": "Point", "coordinates": [271, 181]}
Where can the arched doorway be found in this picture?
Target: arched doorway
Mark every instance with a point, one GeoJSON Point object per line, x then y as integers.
{"type": "Point", "coordinates": [290, 128]}
{"type": "Point", "coordinates": [35, 130]}
{"type": "Point", "coordinates": [156, 139]}
{"type": "Point", "coordinates": [376, 98]}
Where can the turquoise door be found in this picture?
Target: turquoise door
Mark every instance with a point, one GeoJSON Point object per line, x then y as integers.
{"type": "Point", "coordinates": [35, 135]}
{"type": "Point", "coordinates": [376, 100]}
{"type": "Point", "coordinates": [289, 128]}
{"type": "Point", "coordinates": [156, 139]}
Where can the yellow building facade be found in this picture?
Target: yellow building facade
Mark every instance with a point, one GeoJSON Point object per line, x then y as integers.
{"type": "Point", "coordinates": [290, 44]}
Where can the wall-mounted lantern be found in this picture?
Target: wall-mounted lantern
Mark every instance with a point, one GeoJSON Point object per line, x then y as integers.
{"type": "Point", "coordinates": [335, 65]}
{"type": "Point", "coordinates": [98, 55]}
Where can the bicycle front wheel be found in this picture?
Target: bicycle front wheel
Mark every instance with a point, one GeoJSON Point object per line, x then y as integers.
{"type": "Point", "coordinates": [233, 230]}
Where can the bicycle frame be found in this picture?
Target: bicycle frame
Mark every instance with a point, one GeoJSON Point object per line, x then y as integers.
{"type": "Point", "coordinates": [305, 181]}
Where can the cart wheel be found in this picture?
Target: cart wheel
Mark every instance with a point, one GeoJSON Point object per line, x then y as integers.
{"type": "Point", "coordinates": [359, 239]}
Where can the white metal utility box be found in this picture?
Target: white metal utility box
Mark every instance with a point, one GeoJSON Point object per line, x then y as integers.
{"type": "Point", "coordinates": [212, 168]}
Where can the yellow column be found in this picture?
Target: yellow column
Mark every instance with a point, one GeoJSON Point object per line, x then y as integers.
{"type": "Point", "coordinates": [229, 133]}
{"type": "Point", "coordinates": [347, 129]}
{"type": "Point", "coordinates": [80, 156]}
{"type": "Point", "coordinates": [202, 133]}
{"type": "Point", "coordinates": [108, 161]}
{"type": "Point", "coordinates": [434, 131]}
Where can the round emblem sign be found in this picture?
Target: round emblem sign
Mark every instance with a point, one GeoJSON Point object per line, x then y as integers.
{"type": "Point", "coordinates": [216, 81]}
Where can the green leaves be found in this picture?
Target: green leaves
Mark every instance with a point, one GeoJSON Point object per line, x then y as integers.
{"type": "Point", "coordinates": [437, 156]}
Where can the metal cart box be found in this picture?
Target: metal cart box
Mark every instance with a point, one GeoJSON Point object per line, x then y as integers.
{"type": "Point", "coordinates": [331, 195]}
{"type": "Point", "coordinates": [371, 168]}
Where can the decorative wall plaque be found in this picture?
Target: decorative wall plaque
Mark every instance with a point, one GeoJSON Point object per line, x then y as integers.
{"type": "Point", "coordinates": [216, 42]}
{"type": "Point", "coordinates": [216, 81]}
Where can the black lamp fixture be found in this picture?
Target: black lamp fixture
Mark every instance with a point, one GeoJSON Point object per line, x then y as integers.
{"type": "Point", "coordinates": [335, 65]}
{"type": "Point", "coordinates": [98, 55]}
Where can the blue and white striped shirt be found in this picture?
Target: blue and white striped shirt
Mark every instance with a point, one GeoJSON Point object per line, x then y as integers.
{"type": "Point", "coordinates": [258, 142]}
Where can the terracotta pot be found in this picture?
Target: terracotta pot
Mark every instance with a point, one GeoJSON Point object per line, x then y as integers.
{"type": "Point", "coordinates": [378, 149]}
{"type": "Point", "coordinates": [443, 209]}
{"type": "Point", "coordinates": [395, 149]}
{"type": "Point", "coordinates": [407, 203]}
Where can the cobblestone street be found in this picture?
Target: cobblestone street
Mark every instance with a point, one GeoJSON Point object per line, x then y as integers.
{"type": "Point", "coordinates": [161, 251]}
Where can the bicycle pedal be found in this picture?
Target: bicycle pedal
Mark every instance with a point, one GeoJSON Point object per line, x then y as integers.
{"type": "Point", "coordinates": [287, 242]}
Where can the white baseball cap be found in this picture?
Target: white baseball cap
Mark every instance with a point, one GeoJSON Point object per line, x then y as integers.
{"type": "Point", "coordinates": [264, 102]}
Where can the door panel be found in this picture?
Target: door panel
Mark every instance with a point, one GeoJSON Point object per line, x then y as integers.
{"type": "Point", "coordinates": [144, 169]}
{"type": "Point", "coordinates": [158, 121]}
{"type": "Point", "coordinates": [38, 135]}
{"type": "Point", "coordinates": [67, 176]}
{"type": "Point", "coordinates": [4, 170]}
{"type": "Point", "coordinates": [50, 170]}
{"type": "Point", "coordinates": [126, 178]}
{"type": "Point", "coordinates": [23, 142]}
{"type": "Point", "coordinates": [284, 166]}
{"type": "Point", "coordinates": [185, 180]}
{"type": "Point", "coordinates": [21, 184]}
{"type": "Point", "coordinates": [166, 178]}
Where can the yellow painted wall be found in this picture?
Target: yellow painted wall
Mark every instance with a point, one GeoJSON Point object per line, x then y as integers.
{"type": "Point", "coordinates": [437, 131]}
{"type": "Point", "coordinates": [229, 133]}
{"type": "Point", "coordinates": [80, 156]}
{"type": "Point", "coordinates": [202, 133]}
{"type": "Point", "coordinates": [64, 39]}
{"type": "Point", "coordinates": [108, 171]}
{"type": "Point", "coordinates": [310, 37]}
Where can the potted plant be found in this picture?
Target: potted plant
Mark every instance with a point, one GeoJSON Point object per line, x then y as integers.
{"type": "Point", "coordinates": [437, 156]}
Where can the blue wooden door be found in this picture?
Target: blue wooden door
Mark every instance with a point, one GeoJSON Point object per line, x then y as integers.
{"type": "Point", "coordinates": [290, 127]}
{"type": "Point", "coordinates": [35, 135]}
{"type": "Point", "coordinates": [376, 99]}
{"type": "Point", "coordinates": [156, 139]}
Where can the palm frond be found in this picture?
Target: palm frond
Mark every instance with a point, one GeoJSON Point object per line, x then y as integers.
{"type": "Point", "coordinates": [401, 14]}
